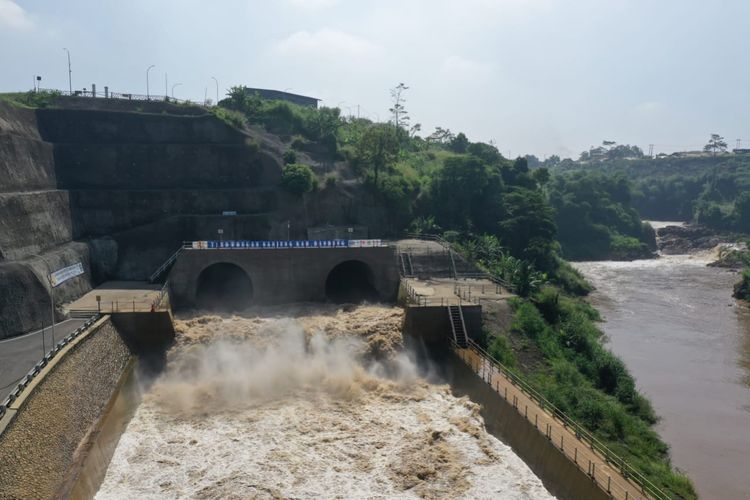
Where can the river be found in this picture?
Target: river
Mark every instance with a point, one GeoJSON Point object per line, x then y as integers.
{"type": "Point", "coordinates": [314, 402]}
{"type": "Point", "coordinates": [687, 342]}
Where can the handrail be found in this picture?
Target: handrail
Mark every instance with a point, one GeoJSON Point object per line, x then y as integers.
{"type": "Point", "coordinates": [447, 245]}
{"type": "Point", "coordinates": [37, 368]}
{"type": "Point", "coordinates": [581, 433]}
{"type": "Point", "coordinates": [165, 265]}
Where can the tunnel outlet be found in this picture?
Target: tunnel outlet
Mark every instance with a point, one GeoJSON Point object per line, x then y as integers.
{"type": "Point", "coordinates": [224, 287]}
{"type": "Point", "coordinates": [351, 281]}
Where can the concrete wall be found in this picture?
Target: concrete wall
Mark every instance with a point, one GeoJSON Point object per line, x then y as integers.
{"type": "Point", "coordinates": [39, 446]}
{"type": "Point", "coordinates": [561, 477]}
{"type": "Point", "coordinates": [431, 325]}
{"type": "Point", "coordinates": [283, 276]}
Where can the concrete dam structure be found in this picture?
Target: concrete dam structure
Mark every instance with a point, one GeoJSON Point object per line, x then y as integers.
{"type": "Point", "coordinates": [242, 343]}
{"type": "Point", "coordinates": [203, 278]}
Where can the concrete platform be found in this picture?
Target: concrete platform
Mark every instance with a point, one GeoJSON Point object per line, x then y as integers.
{"type": "Point", "coordinates": [449, 291]}
{"type": "Point", "coordinates": [119, 296]}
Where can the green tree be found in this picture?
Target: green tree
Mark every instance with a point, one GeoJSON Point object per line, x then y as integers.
{"type": "Point", "coordinates": [459, 143]}
{"type": "Point", "coordinates": [716, 144]}
{"type": "Point", "coordinates": [378, 149]}
{"type": "Point", "coordinates": [298, 179]}
{"type": "Point", "coordinates": [528, 228]}
{"type": "Point", "coordinates": [398, 111]}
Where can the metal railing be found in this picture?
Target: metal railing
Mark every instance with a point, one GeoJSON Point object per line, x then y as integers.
{"type": "Point", "coordinates": [155, 276]}
{"type": "Point", "coordinates": [449, 247]}
{"type": "Point", "coordinates": [120, 96]}
{"type": "Point", "coordinates": [26, 380]}
{"type": "Point", "coordinates": [627, 471]}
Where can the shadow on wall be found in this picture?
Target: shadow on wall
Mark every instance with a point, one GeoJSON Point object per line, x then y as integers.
{"type": "Point", "coordinates": [351, 281]}
{"type": "Point", "coordinates": [224, 287]}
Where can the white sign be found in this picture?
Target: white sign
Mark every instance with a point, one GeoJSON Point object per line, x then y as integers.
{"type": "Point", "coordinates": [59, 277]}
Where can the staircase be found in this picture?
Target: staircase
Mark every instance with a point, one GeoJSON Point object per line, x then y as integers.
{"type": "Point", "coordinates": [164, 267]}
{"type": "Point", "coordinates": [407, 268]}
{"type": "Point", "coordinates": [456, 316]}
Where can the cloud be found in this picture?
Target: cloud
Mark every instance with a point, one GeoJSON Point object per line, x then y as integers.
{"type": "Point", "coordinates": [13, 16]}
{"type": "Point", "coordinates": [467, 69]}
{"type": "Point", "coordinates": [326, 43]}
{"type": "Point", "coordinates": [313, 4]}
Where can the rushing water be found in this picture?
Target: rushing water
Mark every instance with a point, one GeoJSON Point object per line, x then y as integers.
{"type": "Point", "coordinates": [317, 403]}
{"type": "Point", "coordinates": [687, 342]}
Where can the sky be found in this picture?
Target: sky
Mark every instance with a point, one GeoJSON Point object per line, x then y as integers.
{"type": "Point", "coordinates": [536, 77]}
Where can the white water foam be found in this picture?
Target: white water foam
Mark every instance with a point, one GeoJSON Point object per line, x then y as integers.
{"type": "Point", "coordinates": [327, 405]}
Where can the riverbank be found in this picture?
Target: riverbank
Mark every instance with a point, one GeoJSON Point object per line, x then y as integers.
{"type": "Point", "coordinates": [687, 343]}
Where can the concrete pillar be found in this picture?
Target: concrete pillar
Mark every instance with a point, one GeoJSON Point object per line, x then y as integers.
{"type": "Point", "coordinates": [93, 90]}
{"type": "Point", "coordinates": [106, 92]}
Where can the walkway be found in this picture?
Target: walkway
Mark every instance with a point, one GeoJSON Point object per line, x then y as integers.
{"type": "Point", "coordinates": [120, 296]}
{"type": "Point", "coordinates": [18, 355]}
{"type": "Point", "coordinates": [609, 476]}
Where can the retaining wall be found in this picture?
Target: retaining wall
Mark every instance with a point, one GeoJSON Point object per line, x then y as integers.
{"type": "Point", "coordinates": [38, 447]}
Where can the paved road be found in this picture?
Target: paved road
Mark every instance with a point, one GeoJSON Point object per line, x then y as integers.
{"type": "Point", "coordinates": [19, 354]}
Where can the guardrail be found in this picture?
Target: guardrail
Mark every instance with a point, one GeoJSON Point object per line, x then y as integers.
{"type": "Point", "coordinates": [26, 380]}
{"type": "Point", "coordinates": [628, 472]}
{"type": "Point", "coordinates": [447, 245]}
{"type": "Point", "coordinates": [121, 96]}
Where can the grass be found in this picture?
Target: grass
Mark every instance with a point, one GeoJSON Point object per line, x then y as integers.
{"type": "Point", "coordinates": [31, 99]}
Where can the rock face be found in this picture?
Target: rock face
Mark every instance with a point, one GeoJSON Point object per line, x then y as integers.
{"type": "Point", "coordinates": [119, 185]}
{"type": "Point", "coordinates": [680, 240]}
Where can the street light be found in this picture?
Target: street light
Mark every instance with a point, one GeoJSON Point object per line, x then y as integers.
{"type": "Point", "coordinates": [70, 72]}
{"type": "Point", "coordinates": [173, 86]}
{"type": "Point", "coordinates": [217, 89]}
{"type": "Point", "coordinates": [147, 70]}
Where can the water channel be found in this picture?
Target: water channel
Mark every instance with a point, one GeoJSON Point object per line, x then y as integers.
{"type": "Point", "coordinates": [687, 342]}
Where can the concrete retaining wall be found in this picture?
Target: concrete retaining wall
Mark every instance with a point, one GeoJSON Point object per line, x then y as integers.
{"type": "Point", "coordinates": [39, 446]}
{"type": "Point", "coordinates": [561, 477]}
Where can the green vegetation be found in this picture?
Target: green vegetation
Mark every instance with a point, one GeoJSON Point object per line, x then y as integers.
{"type": "Point", "coordinates": [586, 381]}
{"type": "Point", "coordinates": [31, 99]}
{"type": "Point", "coordinates": [298, 179]}
{"type": "Point", "coordinates": [595, 219]}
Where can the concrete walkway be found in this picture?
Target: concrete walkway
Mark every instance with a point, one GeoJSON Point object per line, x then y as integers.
{"type": "Point", "coordinates": [606, 474]}
{"type": "Point", "coordinates": [19, 354]}
{"type": "Point", "coordinates": [118, 296]}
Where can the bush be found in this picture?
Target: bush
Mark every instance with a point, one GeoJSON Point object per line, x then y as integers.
{"type": "Point", "coordinates": [298, 179]}
{"type": "Point", "coordinates": [230, 117]}
{"type": "Point", "coordinates": [290, 156]}
{"type": "Point", "coordinates": [501, 350]}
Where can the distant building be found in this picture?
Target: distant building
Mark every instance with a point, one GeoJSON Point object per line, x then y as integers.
{"type": "Point", "coordinates": [278, 95]}
{"type": "Point", "coordinates": [741, 151]}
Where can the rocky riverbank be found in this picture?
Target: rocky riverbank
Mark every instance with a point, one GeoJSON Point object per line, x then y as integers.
{"type": "Point", "coordinates": [688, 239]}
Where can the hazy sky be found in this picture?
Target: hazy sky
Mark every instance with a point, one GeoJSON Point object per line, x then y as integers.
{"type": "Point", "coordinates": [535, 76]}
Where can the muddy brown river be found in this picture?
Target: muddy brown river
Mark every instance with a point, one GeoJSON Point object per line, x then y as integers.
{"type": "Point", "coordinates": [687, 342]}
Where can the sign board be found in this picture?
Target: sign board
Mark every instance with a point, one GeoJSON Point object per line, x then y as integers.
{"type": "Point", "coordinates": [271, 244]}
{"type": "Point", "coordinates": [61, 276]}
{"type": "Point", "coordinates": [229, 212]}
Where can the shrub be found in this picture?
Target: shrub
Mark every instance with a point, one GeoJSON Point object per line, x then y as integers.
{"type": "Point", "coordinates": [290, 156]}
{"type": "Point", "coordinates": [298, 179]}
{"type": "Point", "coordinates": [230, 117]}
{"type": "Point", "coordinates": [501, 350]}
{"type": "Point", "coordinates": [331, 180]}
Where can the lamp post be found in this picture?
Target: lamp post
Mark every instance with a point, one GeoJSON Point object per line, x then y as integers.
{"type": "Point", "coordinates": [70, 72]}
{"type": "Point", "coordinates": [217, 89]}
{"type": "Point", "coordinates": [166, 85]}
{"type": "Point", "coordinates": [52, 302]}
{"type": "Point", "coordinates": [147, 70]}
{"type": "Point", "coordinates": [173, 86]}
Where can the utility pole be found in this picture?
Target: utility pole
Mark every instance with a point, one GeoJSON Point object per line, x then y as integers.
{"type": "Point", "coordinates": [651, 150]}
{"type": "Point", "coordinates": [739, 143]}
{"type": "Point", "coordinates": [205, 95]}
{"type": "Point", "coordinates": [70, 72]}
{"type": "Point", "coordinates": [166, 85]}
{"type": "Point", "coordinates": [217, 89]}
{"type": "Point", "coordinates": [147, 90]}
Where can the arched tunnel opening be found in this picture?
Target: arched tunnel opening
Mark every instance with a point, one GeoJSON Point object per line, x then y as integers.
{"type": "Point", "coordinates": [224, 287]}
{"type": "Point", "coordinates": [351, 281]}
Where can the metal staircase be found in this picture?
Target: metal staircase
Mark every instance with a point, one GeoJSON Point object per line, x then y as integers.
{"type": "Point", "coordinates": [164, 267]}
{"type": "Point", "coordinates": [458, 326]}
{"type": "Point", "coordinates": [407, 268]}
